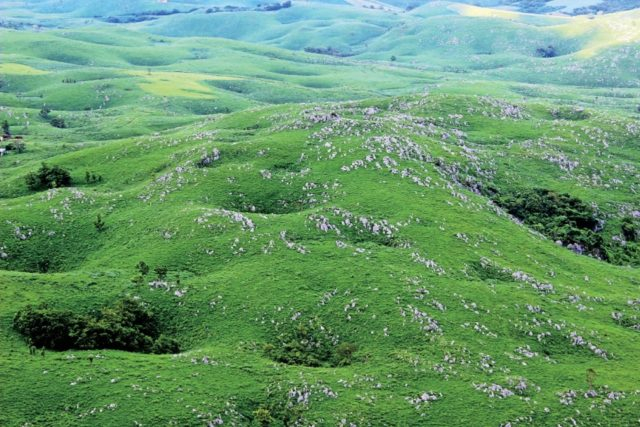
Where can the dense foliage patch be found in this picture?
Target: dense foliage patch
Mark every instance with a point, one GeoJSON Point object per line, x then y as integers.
{"type": "Point", "coordinates": [127, 325]}
{"type": "Point", "coordinates": [572, 222]}
{"type": "Point", "coordinates": [48, 177]}
{"type": "Point", "coordinates": [310, 344]}
{"type": "Point", "coordinates": [561, 217]}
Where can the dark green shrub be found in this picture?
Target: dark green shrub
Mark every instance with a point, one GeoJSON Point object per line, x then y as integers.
{"type": "Point", "coordinates": [18, 146]}
{"type": "Point", "coordinates": [44, 112]}
{"type": "Point", "coordinates": [165, 345]}
{"type": "Point", "coordinates": [546, 52]}
{"type": "Point", "coordinates": [630, 229]}
{"type": "Point", "coordinates": [486, 270]}
{"type": "Point", "coordinates": [43, 265]}
{"type": "Point", "coordinates": [99, 223]}
{"type": "Point", "coordinates": [92, 178]}
{"type": "Point", "coordinates": [110, 332]}
{"type": "Point", "coordinates": [48, 177]}
{"type": "Point", "coordinates": [570, 113]}
{"type": "Point", "coordinates": [344, 353]}
{"type": "Point", "coordinates": [128, 325]}
{"type": "Point", "coordinates": [58, 122]}
{"type": "Point", "coordinates": [310, 344]}
{"type": "Point", "coordinates": [45, 327]}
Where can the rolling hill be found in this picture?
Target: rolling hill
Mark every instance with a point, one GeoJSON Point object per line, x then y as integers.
{"type": "Point", "coordinates": [431, 223]}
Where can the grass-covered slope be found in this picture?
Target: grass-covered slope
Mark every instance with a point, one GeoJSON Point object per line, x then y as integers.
{"type": "Point", "coordinates": [336, 230]}
{"type": "Point", "coordinates": [358, 217]}
{"type": "Point", "coordinates": [90, 71]}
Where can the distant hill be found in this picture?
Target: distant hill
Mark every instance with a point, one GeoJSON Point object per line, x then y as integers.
{"type": "Point", "coordinates": [574, 7]}
{"type": "Point", "coordinates": [123, 7]}
{"type": "Point", "coordinates": [436, 36]}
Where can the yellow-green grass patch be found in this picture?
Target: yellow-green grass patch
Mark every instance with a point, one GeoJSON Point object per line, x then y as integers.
{"type": "Point", "coordinates": [178, 84]}
{"type": "Point", "coordinates": [19, 69]}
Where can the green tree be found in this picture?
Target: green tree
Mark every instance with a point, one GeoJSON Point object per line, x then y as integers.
{"type": "Point", "coordinates": [143, 268]}
{"type": "Point", "coordinates": [161, 272]}
{"type": "Point", "coordinates": [5, 128]}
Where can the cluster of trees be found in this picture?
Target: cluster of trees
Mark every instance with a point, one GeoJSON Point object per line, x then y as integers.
{"type": "Point", "coordinates": [571, 221]}
{"type": "Point", "coordinates": [607, 6]}
{"type": "Point", "coordinates": [143, 16]}
{"type": "Point", "coordinates": [48, 177]}
{"type": "Point", "coordinates": [53, 176]}
{"type": "Point", "coordinates": [559, 216]}
{"type": "Point", "coordinates": [58, 122]}
{"type": "Point", "coordinates": [127, 325]}
{"type": "Point", "coordinates": [144, 269]}
{"type": "Point", "coordinates": [267, 7]}
{"type": "Point", "coordinates": [309, 344]}
{"type": "Point", "coordinates": [328, 51]}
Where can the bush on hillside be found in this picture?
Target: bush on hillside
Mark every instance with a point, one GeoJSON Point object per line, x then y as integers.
{"type": "Point", "coordinates": [92, 178]}
{"type": "Point", "coordinates": [127, 325]}
{"type": "Point", "coordinates": [631, 229]}
{"type": "Point", "coordinates": [44, 112]}
{"type": "Point", "coordinates": [570, 113]}
{"type": "Point", "coordinates": [309, 344]}
{"type": "Point", "coordinates": [484, 269]}
{"type": "Point", "coordinates": [58, 122]}
{"type": "Point", "coordinates": [18, 146]}
{"type": "Point", "coordinates": [546, 52]}
{"type": "Point", "coordinates": [48, 177]}
{"type": "Point", "coordinates": [99, 223]}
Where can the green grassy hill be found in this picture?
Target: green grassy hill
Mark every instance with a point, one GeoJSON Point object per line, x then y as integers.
{"type": "Point", "coordinates": [440, 291]}
{"type": "Point", "coordinates": [357, 204]}
{"type": "Point", "coordinates": [437, 36]}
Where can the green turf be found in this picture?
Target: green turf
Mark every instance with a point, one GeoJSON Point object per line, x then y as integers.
{"type": "Point", "coordinates": [306, 140]}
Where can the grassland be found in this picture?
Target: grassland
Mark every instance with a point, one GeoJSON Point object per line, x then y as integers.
{"type": "Point", "coordinates": [340, 190]}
